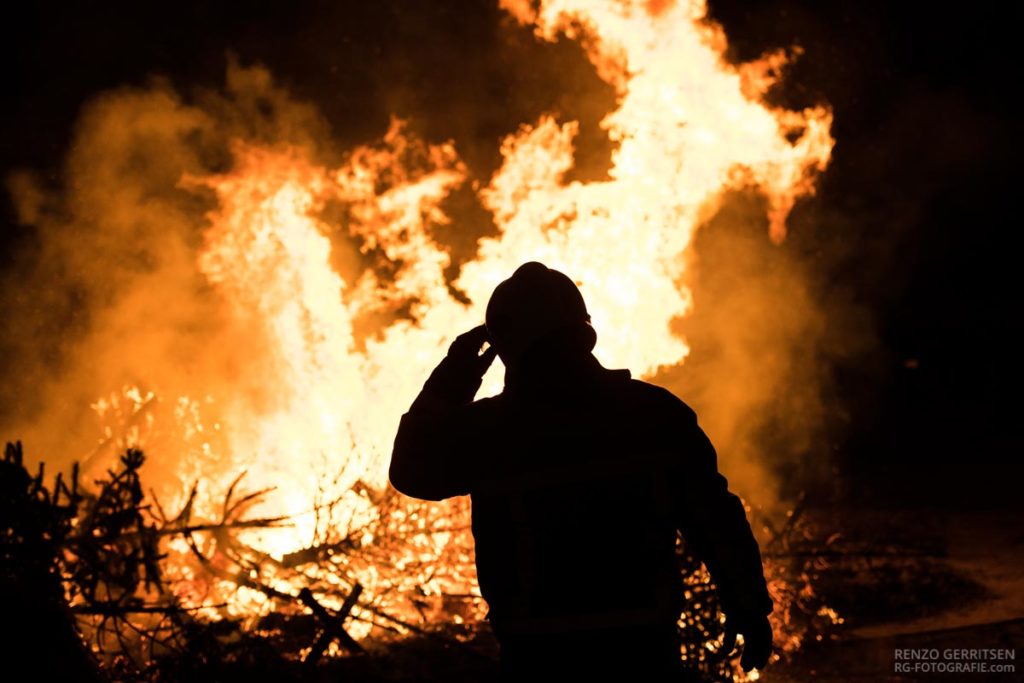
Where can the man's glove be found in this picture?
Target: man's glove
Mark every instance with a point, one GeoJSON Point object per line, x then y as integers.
{"type": "Point", "coordinates": [457, 378]}
{"type": "Point", "coordinates": [757, 639]}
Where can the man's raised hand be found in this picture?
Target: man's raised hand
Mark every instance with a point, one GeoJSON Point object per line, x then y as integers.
{"type": "Point", "coordinates": [466, 350]}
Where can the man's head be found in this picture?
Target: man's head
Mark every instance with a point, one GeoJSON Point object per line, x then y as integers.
{"type": "Point", "coordinates": [537, 304]}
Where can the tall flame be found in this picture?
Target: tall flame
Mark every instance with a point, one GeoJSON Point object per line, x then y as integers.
{"type": "Point", "coordinates": [330, 387]}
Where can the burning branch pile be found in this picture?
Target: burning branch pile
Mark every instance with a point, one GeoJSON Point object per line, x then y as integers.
{"type": "Point", "coordinates": [102, 558]}
{"type": "Point", "coordinates": [99, 557]}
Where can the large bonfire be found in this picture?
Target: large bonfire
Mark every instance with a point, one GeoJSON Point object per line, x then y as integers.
{"type": "Point", "coordinates": [338, 357]}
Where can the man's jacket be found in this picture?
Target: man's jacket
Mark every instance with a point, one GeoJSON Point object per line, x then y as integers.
{"type": "Point", "coordinates": [580, 478]}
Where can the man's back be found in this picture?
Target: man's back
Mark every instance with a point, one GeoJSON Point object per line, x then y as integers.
{"type": "Point", "coordinates": [572, 515]}
{"type": "Point", "coordinates": [580, 479]}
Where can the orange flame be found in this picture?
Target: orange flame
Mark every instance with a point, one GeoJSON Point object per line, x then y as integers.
{"type": "Point", "coordinates": [688, 127]}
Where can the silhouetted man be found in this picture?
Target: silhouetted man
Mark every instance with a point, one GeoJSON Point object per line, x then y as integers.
{"type": "Point", "coordinates": [580, 479]}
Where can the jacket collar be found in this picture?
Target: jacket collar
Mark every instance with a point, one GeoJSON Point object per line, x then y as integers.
{"type": "Point", "coordinates": [560, 374]}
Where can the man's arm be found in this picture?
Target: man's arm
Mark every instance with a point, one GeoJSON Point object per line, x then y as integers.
{"type": "Point", "coordinates": [714, 524]}
{"type": "Point", "coordinates": [430, 457]}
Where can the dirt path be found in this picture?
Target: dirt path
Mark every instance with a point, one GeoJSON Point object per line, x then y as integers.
{"type": "Point", "coordinates": [987, 547]}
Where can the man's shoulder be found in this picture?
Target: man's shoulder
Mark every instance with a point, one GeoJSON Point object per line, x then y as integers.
{"type": "Point", "coordinates": [659, 398]}
{"type": "Point", "coordinates": [487, 402]}
{"type": "Point", "coordinates": [482, 407]}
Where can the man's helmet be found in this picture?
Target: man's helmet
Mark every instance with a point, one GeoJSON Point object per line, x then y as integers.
{"type": "Point", "coordinates": [535, 301]}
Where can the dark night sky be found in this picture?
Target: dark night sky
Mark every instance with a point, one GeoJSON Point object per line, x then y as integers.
{"type": "Point", "coordinates": [916, 203]}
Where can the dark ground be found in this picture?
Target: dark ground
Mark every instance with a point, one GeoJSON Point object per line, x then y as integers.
{"type": "Point", "coordinates": [959, 585]}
